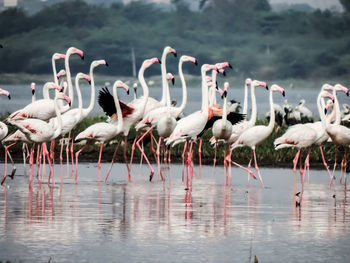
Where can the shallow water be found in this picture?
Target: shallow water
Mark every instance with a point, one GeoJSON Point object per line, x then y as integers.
{"type": "Point", "coordinates": [162, 222]}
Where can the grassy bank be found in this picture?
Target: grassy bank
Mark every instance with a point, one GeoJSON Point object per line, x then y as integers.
{"type": "Point", "coordinates": [266, 154]}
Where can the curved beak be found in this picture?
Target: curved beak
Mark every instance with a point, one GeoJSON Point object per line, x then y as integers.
{"type": "Point", "coordinates": [225, 93]}
{"type": "Point", "coordinates": [229, 65]}
{"type": "Point", "coordinates": [33, 91]}
{"type": "Point", "coordinates": [347, 93]}
{"type": "Point", "coordinates": [267, 87]}
{"type": "Point", "coordinates": [216, 85]}
{"type": "Point", "coordinates": [1, 46]}
{"type": "Point", "coordinates": [173, 81]}
{"type": "Point", "coordinates": [89, 82]}
{"type": "Point", "coordinates": [106, 64]}
{"type": "Point", "coordinates": [283, 94]}
{"type": "Point", "coordinates": [196, 62]}
{"type": "Point", "coordinates": [325, 110]}
{"type": "Point", "coordinates": [127, 92]}
{"type": "Point", "coordinates": [9, 96]}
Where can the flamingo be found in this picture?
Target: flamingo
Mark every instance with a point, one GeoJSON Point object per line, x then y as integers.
{"type": "Point", "coordinates": [190, 126]}
{"type": "Point", "coordinates": [304, 136]}
{"type": "Point", "coordinates": [3, 133]}
{"type": "Point", "coordinates": [257, 134]}
{"type": "Point", "coordinates": [133, 111]}
{"type": "Point", "coordinates": [305, 113]}
{"type": "Point", "coordinates": [39, 131]}
{"type": "Point", "coordinates": [222, 128]}
{"type": "Point", "coordinates": [43, 109]}
{"type": "Point", "coordinates": [339, 134]}
{"type": "Point", "coordinates": [102, 131]}
{"type": "Point", "coordinates": [170, 113]}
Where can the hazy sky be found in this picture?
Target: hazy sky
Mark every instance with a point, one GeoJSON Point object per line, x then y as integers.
{"type": "Point", "coordinates": [314, 3]}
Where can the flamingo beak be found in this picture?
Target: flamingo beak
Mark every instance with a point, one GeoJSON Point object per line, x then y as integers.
{"type": "Point", "coordinates": [224, 73]}
{"type": "Point", "coordinates": [225, 93]}
{"type": "Point", "coordinates": [1, 46]}
{"type": "Point", "coordinates": [106, 64]}
{"type": "Point", "coordinates": [267, 87]}
{"type": "Point", "coordinates": [89, 82]}
{"type": "Point", "coordinates": [347, 93]}
{"type": "Point", "coordinates": [229, 65]}
{"type": "Point", "coordinates": [196, 62]}
{"type": "Point", "coordinates": [283, 94]}
{"type": "Point", "coordinates": [173, 81]}
{"type": "Point", "coordinates": [216, 85]}
{"type": "Point", "coordinates": [127, 92]}
{"type": "Point", "coordinates": [325, 110]}
{"type": "Point", "coordinates": [9, 96]}
{"type": "Point", "coordinates": [33, 91]}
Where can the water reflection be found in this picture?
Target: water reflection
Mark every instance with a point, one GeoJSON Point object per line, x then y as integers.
{"type": "Point", "coordinates": [238, 221]}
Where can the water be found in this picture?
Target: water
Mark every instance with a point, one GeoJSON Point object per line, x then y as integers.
{"type": "Point", "coordinates": [161, 222]}
{"type": "Point", "coordinates": [21, 96]}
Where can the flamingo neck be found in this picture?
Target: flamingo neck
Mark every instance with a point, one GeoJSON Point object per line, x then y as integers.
{"type": "Point", "coordinates": [144, 86]}
{"type": "Point", "coordinates": [117, 106]}
{"type": "Point", "coordinates": [165, 85]}
{"type": "Point", "coordinates": [205, 104]}
{"type": "Point", "coordinates": [57, 132]}
{"type": "Point", "coordinates": [320, 101]}
{"type": "Point", "coordinates": [272, 112]}
{"type": "Point", "coordinates": [224, 113]}
{"type": "Point", "coordinates": [55, 79]}
{"type": "Point", "coordinates": [80, 100]}
{"type": "Point", "coordinates": [212, 97]}
{"type": "Point", "coordinates": [92, 98]}
{"type": "Point", "coordinates": [69, 77]}
{"type": "Point", "coordinates": [336, 108]}
{"type": "Point", "coordinates": [254, 108]}
{"type": "Point", "coordinates": [245, 103]}
{"type": "Point", "coordinates": [184, 88]}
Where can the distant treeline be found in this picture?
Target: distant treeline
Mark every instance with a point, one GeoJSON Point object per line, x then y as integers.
{"type": "Point", "coordinates": [258, 42]}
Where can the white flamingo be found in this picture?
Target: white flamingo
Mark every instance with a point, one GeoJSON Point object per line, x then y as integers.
{"type": "Point", "coordinates": [39, 131]}
{"type": "Point", "coordinates": [257, 134]}
{"type": "Point", "coordinates": [134, 110]}
{"type": "Point", "coordinates": [103, 131]}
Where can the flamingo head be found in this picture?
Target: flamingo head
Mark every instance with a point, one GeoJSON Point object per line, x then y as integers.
{"type": "Point", "coordinates": [248, 81]}
{"type": "Point", "coordinates": [326, 86]}
{"type": "Point", "coordinates": [326, 94]}
{"type": "Point", "coordinates": [170, 77]}
{"type": "Point", "coordinates": [121, 84]}
{"type": "Point", "coordinates": [149, 62]}
{"type": "Point", "coordinates": [169, 49]}
{"type": "Point", "coordinates": [226, 86]}
{"type": "Point", "coordinates": [57, 56]}
{"type": "Point", "coordinates": [341, 88]}
{"type": "Point", "coordinates": [84, 76]}
{"type": "Point", "coordinates": [5, 92]}
{"type": "Point", "coordinates": [32, 85]}
{"type": "Point", "coordinates": [74, 50]}
{"type": "Point", "coordinates": [223, 65]}
{"type": "Point", "coordinates": [62, 96]}
{"type": "Point", "coordinates": [135, 86]}
{"type": "Point", "coordinates": [275, 87]}
{"type": "Point", "coordinates": [189, 59]}
{"type": "Point", "coordinates": [256, 83]}
{"type": "Point", "coordinates": [61, 73]}
{"type": "Point", "coordinates": [96, 63]}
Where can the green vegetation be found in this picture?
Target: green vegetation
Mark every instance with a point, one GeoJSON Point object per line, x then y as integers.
{"type": "Point", "coordinates": [258, 42]}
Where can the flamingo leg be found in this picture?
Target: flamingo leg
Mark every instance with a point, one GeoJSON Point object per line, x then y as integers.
{"type": "Point", "coordinates": [141, 159]}
{"type": "Point", "coordinates": [249, 165]}
{"type": "Point", "coordinates": [99, 157]}
{"type": "Point", "coordinates": [125, 157]}
{"type": "Point", "coordinates": [114, 155]}
{"type": "Point", "coordinates": [72, 153]}
{"type": "Point", "coordinates": [345, 165]}
{"type": "Point", "coordinates": [183, 160]}
{"type": "Point", "coordinates": [160, 177]}
{"type": "Point", "coordinates": [325, 165]}
{"type": "Point", "coordinates": [143, 153]}
{"type": "Point", "coordinates": [200, 152]}
{"type": "Point", "coordinates": [257, 169]}
{"type": "Point", "coordinates": [31, 165]}
{"type": "Point", "coordinates": [153, 139]}
{"type": "Point", "coordinates": [246, 169]}
{"type": "Point", "coordinates": [5, 172]}
{"type": "Point", "coordinates": [335, 161]}
{"type": "Point", "coordinates": [132, 152]}
{"type": "Point", "coordinates": [76, 161]}
{"type": "Point", "coordinates": [61, 151]}
{"type": "Point", "coordinates": [24, 157]}
{"type": "Point", "coordinates": [52, 174]}
{"type": "Point", "coordinates": [215, 151]}
{"type": "Point", "coordinates": [38, 154]}
{"type": "Point", "coordinates": [307, 164]}
{"type": "Point", "coordinates": [67, 152]}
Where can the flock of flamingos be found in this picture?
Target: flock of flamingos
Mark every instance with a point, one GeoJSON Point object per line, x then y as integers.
{"type": "Point", "coordinates": [47, 119]}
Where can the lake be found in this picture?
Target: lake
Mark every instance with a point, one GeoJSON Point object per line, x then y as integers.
{"type": "Point", "coordinates": [155, 221]}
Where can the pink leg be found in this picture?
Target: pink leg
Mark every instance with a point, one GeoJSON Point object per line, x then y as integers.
{"type": "Point", "coordinates": [169, 156]}
{"type": "Point", "coordinates": [152, 147]}
{"type": "Point", "coordinates": [258, 170]}
{"type": "Point", "coordinates": [143, 153]}
{"type": "Point", "coordinates": [184, 155]}
{"type": "Point", "coordinates": [345, 165]}
{"type": "Point", "coordinates": [67, 152]}
{"type": "Point", "coordinates": [215, 151]}
{"type": "Point", "coordinates": [114, 155]}
{"type": "Point", "coordinates": [76, 161]}
{"type": "Point", "coordinates": [307, 164]}
{"type": "Point", "coordinates": [38, 159]}
{"type": "Point", "coordinates": [141, 159]}
{"type": "Point", "coordinates": [160, 177]}
{"type": "Point", "coordinates": [200, 152]}
{"type": "Point", "coordinates": [325, 165]}
{"type": "Point", "coordinates": [5, 172]}
{"type": "Point", "coordinates": [31, 165]}
{"type": "Point", "coordinates": [249, 164]}
{"type": "Point", "coordinates": [335, 161]}
{"type": "Point", "coordinates": [99, 157]}
{"type": "Point", "coordinates": [61, 151]}
{"type": "Point", "coordinates": [132, 152]}
{"type": "Point", "coordinates": [72, 153]}
{"type": "Point", "coordinates": [246, 169]}
{"type": "Point", "coordinates": [52, 174]}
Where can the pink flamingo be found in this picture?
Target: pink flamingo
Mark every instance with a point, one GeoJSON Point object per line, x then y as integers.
{"type": "Point", "coordinates": [39, 131]}
{"type": "Point", "coordinates": [133, 111]}
{"type": "Point", "coordinates": [302, 136]}
{"type": "Point", "coordinates": [257, 134]}
{"type": "Point", "coordinates": [103, 132]}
